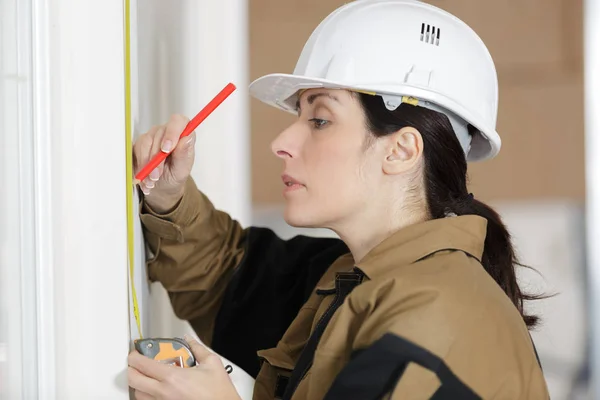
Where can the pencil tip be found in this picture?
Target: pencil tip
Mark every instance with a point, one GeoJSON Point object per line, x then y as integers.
{"type": "Point", "coordinates": [136, 182]}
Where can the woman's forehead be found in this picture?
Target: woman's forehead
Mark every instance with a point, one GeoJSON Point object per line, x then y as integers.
{"type": "Point", "coordinates": [308, 96]}
{"type": "Point", "coordinates": [333, 92]}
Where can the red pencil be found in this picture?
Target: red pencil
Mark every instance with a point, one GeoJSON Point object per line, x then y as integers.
{"type": "Point", "coordinates": [191, 126]}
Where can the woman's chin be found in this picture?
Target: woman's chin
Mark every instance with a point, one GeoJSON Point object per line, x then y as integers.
{"type": "Point", "coordinates": [297, 218]}
{"type": "Point", "coordinates": [294, 221]}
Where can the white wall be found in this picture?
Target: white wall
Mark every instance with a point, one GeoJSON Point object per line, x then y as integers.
{"type": "Point", "coordinates": [550, 237]}
{"type": "Point", "coordinates": [592, 153]}
{"type": "Point", "coordinates": [17, 300]}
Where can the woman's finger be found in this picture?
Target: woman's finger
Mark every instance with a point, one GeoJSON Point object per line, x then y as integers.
{"type": "Point", "coordinates": [156, 173]}
{"type": "Point", "coordinates": [149, 183]}
{"type": "Point", "coordinates": [141, 150]}
{"type": "Point", "coordinates": [174, 128]}
{"type": "Point", "coordinates": [144, 188]}
{"type": "Point", "coordinates": [139, 395]}
{"type": "Point", "coordinates": [156, 141]}
{"type": "Point", "coordinates": [149, 367]}
{"type": "Point", "coordinates": [141, 382]}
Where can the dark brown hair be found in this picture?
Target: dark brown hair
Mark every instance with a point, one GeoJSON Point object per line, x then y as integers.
{"type": "Point", "coordinates": [445, 180]}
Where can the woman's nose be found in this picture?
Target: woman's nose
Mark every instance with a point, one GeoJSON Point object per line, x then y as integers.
{"type": "Point", "coordinates": [284, 145]}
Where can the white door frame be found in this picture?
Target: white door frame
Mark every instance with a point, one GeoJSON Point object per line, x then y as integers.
{"type": "Point", "coordinates": [81, 243]}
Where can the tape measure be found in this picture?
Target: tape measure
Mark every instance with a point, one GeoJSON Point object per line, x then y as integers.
{"type": "Point", "coordinates": [129, 165]}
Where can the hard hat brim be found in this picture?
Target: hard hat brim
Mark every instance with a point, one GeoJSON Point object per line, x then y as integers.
{"type": "Point", "coordinates": [280, 91]}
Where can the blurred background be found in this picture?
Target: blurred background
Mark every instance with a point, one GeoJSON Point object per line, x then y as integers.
{"type": "Point", "coordinates": [537, 183]}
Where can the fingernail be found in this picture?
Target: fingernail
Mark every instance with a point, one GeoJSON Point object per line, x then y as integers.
{"type": "Point", "coordinates": [189, 141]}
{"type": "Point", "coordinates": [145, 190]}
{"type": "Point", "coordinates": [149, 184]}
{"type": "Point", "coordinates": [167, 145]}
{"type": "Point", "coordinates": [154, 175]}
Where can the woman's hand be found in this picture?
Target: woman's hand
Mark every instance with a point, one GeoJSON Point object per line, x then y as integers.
{"type": "Point", "coordinates": [207, 381]}
{"type": "Point", "coordinates": [167, 181]}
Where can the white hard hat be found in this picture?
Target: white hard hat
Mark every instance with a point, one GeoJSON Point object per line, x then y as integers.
{"type": "Point", "coordinates": [405, 51]}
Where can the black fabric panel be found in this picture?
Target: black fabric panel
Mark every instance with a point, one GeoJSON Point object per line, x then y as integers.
{"type": "Point", "coordinates": [273, 281]}
{"type": "Point", "coordinates": [452, 387]}
{"type": "Point", "coordinates": [375, 371]}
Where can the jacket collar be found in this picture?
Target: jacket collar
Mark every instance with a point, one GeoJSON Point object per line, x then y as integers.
{"type": "Point", "coordinates": [464, 233]}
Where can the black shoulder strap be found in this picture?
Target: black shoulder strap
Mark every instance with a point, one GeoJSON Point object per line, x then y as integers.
{"type": "Point", "coordinates": [345, 282]}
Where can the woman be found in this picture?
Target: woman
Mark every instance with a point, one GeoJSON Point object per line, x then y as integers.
{"type": "Point", "coordinates": [419, 298]}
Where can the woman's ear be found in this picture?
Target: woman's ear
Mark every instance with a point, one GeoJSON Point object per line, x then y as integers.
{"type": "Point", "coordinates": [404, 151]}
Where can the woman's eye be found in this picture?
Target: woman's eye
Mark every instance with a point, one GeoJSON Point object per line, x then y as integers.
{"type": "Point", "coordinates": [319, 123]}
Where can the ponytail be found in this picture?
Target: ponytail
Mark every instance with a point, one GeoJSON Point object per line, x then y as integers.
{"type": "Point", "coordinates": [499, 258]}
{"type": "Point", "coordinates": [445, 180]}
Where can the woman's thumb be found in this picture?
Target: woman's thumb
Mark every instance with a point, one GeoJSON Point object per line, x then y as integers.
{"type": "Point", "coordinates": [201, 352]}
{"type": "Point", "coordinates": [185, 149]}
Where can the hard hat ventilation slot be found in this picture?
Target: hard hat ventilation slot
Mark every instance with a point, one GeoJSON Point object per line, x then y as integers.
{"type": "Point", "coordinates": [430, 34]}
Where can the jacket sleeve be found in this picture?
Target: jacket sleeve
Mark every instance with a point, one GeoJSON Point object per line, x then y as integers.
{"type": "Point", "coordinates": [194, 251]}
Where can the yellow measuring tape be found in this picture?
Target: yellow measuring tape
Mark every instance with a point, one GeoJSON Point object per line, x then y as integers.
{"type": "Point", "coordinates": [129, 163]}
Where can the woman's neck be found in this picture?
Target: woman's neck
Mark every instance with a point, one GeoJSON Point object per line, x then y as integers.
{"type": "Point", "coordinates": [364, 232]}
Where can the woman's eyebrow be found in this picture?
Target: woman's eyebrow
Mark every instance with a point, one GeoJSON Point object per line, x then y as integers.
{"type": "Point", "coordinates": [311, 99]}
